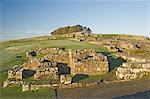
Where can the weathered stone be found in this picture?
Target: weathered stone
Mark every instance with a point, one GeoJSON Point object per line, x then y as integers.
{"type": "Point", "coordinates": [46, 72]}
{"type": "Point", "coordinates": [15, 73]}
{"type": "Point", "coordinates": [87, 62]}
{"type": "Point", "coordinates": [32, 64]}
{"type": "Point", "coordinates": [132, 70]}
{"type": "Point", "coordinates": [25, 87]}
{"type": "Point", "coordinates": [10, 82]}
{"type": "Point", "coordinates": [77, 59]}
{"type": "Point", "coordinates": [65, 79]}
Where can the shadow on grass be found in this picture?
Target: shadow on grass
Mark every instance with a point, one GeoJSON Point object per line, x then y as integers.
{"type": "Point", "coordinates": [113, 62]}
{"type": "Point", "coordinates": [79, 77]}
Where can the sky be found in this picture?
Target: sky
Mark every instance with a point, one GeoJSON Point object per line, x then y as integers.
{"type": "Point", "coordinates": [26, 18]}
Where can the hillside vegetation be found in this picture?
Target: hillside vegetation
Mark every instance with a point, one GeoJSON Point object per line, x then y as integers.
{"type": "Point", "coordinates": [70, 29]}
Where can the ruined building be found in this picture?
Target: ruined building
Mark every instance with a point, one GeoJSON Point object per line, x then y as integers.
{"type": "Point", "coordinates": [85, 61]}
{"type": "Point", "coordinates": [58, 63]}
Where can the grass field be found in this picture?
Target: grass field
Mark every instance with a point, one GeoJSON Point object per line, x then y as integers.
{"type": "Point", "coordinates": [10, 49]}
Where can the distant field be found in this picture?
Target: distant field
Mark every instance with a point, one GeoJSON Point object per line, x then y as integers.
{"type": "Point", "coordinates": [10, 49]}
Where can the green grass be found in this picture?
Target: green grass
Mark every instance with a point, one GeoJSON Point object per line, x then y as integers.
{"type": "Point", "coordinates": [93, 78]}
{"type": "Point", "coordinates": [14, 92]}
{"type": "Point", "coordinates": [41, 81]}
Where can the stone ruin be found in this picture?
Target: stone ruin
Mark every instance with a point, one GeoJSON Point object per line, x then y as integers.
{"type": "Point", "coordinates": [14, 76]}
{"type": "Point", "coordinates": [58, 63]}
{"type": "Point", "coordinates": [32, 64]}
{"type": "Point", "coordinates": [135, 67]}
{"type": "Point", "coordinates": [46, 70]}
{"type": "Point", "coordinates": [85, 61]}
{"type": "Point", "coordinates": [130, 71]}
{"type": "Point", "coordinates": [15, 73]}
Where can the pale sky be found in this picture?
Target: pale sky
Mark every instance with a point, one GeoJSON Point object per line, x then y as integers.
{"type": "Point", "coordinates": [40, 17]}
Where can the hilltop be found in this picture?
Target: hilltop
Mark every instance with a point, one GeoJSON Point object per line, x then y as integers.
{"type": "Point", "coordinates": [70, 29]}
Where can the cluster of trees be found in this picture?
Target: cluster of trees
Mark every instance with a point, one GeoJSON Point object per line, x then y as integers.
{"type": "Point", "coordinates": [71, 29]}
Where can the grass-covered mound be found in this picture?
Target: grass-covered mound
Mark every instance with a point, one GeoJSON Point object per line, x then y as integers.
{"type": "Point", "coordinates": [70, 29]}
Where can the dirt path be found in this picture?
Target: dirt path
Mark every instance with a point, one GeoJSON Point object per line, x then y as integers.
{"type": "Point", "coordinates": [105, 91]}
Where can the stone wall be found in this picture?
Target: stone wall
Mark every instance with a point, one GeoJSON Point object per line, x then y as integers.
{"type": "Point", "coordinates": [34, 87]}
{"type": "Point", "coordinates": [88, 62]}
{"type": "Point", "coordinates": [130, 71]}
{"type": "Point", "coordinates": [85, 61]}
{"type": "Point", "coordinates": [133, 58]}
{"type": "Point", "coordinates": [47, 72]}
{"type": "Point", "coordinates": [15, 73]}
{"type": "Point", "coordinates": [32, 64]}
{"type": "Point", "coordinates": [11, 82]}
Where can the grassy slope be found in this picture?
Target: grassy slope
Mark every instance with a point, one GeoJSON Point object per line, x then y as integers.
{"type": "Point", "coordinates": [9, 51]}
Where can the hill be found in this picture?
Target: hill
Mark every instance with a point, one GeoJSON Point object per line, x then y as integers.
{"type": "Point", "coordinates": [71, 29]}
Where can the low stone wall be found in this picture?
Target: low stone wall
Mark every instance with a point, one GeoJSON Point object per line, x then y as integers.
{"type": "Point", "coordinates": [11, 82]}
{"type": "Point", "coordinates": [132, 70]}
{"type": "Point", "coordinates": [15, 72]}
{"type": "Point", "coordinates": [133, 58]}
{"type": "Point", "coordinates": [34, 87]}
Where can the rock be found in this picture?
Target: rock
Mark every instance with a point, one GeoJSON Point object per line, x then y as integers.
{"type": "Point", "coordinates": [25, 87]}
{"type": "Point", "coordinates": [65, 79]}
{"type": "Point", "coordinates": [15, 73]}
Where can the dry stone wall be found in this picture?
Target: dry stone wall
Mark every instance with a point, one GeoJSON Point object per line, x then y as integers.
{"type": "Point", "coordinates": [81, 61]}
{"type": "Point", "coordinates": [132, 70]}
{"type": "Point", "coordinates": [15, 73]}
